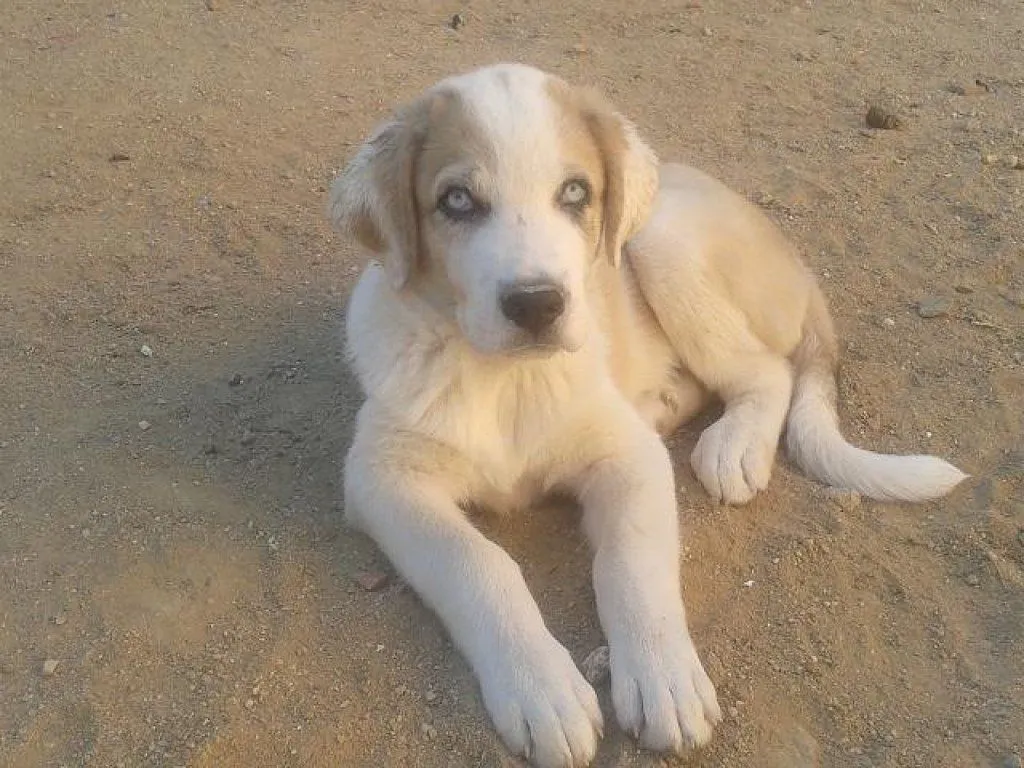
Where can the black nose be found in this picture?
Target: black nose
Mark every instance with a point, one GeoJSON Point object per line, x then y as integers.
{"type": "Point", "coordinates": [533, 307]}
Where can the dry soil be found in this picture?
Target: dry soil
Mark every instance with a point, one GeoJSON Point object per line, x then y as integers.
{"type": "Point", "coordinates": [170, 532]}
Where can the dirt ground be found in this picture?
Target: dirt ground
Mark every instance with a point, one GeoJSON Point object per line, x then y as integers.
{"type": "Point", "coordinates": [170, 530]}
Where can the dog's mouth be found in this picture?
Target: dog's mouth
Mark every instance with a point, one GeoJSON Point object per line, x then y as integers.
{"type": "Point", "coordinates": [536, 349]}
{"type": "Point", "coordinates": [529, 349]}
{"type": "Point", "coordinates": [547, 345]}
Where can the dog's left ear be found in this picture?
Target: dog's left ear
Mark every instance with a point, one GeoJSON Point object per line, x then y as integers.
{"type": "Point", "coordinates": [630, 170]}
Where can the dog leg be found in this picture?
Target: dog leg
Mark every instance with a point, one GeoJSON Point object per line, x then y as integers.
{"type": "Point", "coordinates": [537, 698]}
{"type": "Point", "coordinates": [734, 456]}
{"type": "Point", "coordinates": [730, 297]}
{"type": "Point", "coordinates": [660, 690]}
{"type": "Point", "coordinates": [714, 340]}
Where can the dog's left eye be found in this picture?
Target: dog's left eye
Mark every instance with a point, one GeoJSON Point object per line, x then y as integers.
{"type": "Point", "coordinates": [575, 193]}
{"type": "Point", "coordinates": [457, 203]}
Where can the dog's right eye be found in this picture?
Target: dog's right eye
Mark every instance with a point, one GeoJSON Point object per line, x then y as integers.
{"type": "Point", "coordinates": [457, 203]}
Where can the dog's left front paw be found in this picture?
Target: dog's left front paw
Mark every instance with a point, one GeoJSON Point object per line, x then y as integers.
{"type": "Point", "coordinates": [661, 693]}
{"type": "Point", "coordinates": [733, 461]}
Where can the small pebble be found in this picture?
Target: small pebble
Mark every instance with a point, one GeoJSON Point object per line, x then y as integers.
{"type": "Point", "coordinates": [119, 157]}
{"type": "Point", "coordinates": [50, 667]}
{"type": "Point", "coordinates": [878, 117]}
{"type": "Point", "coordinates": [707, 32]}
{"type": "Point", "coordinates": [1014, 297]}
{"type": "Point", "coordinates": [748, 583]}
{"type": "Point", "coordinates": [429, 731]}
{"type": "Point", "coordinates": [1014, 163]}
{"type": "Point", "coordinates": [236, 380]}
{"type": "Point", "coordinates": [972, 89]}
{"type": "Point", "coordinates": [146, 351]}
{"type": "Point", "coordinates": [248, 437]}
{"type": "Point", "coordinates": [60, 620]}
{"type": "Point", "coordinates": [934, 306]}
{"type": "Point", "coordinates": [596, 666]}
{"type": "Point", "coordinates": [989, 159]}
{"type": "Point", "coordinates": [457, 21]}
{"type": "Point", "coordinates": [888, 322]}
{"type": "Point", "coordinates": [973, 580]}
{"type": "Point", "coordinates": [372, 581]}
{"type": "Point", "coordinates": [734, 713]}
{"type": "Point", "coordinates": [144, 425]}
{"type": "Point", "coordinates": [844, 499]}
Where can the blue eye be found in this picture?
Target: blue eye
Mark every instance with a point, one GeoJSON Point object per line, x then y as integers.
{"type": "Point", "coordinates": [575, 193]}
{"type": "Point", "coordinates": [457, 203]}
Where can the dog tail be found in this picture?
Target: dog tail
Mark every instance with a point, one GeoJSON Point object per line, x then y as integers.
{"type": "Point", "coordinates": [815, 443]}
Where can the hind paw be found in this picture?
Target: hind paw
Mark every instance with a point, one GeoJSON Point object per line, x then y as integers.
{"type": "Point", "coordinates": [733, 461]}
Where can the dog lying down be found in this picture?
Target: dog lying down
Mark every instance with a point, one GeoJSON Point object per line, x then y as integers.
{"type": "Point", "coordinates": [548, 300]}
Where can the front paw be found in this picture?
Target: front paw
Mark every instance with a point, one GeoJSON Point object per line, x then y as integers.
{"type": "Point", "coordinates": [662, 694]}
{"type": "Point", "coordinates": [733, 461]}
{"type": "Point", "coordinates": [541, 705]}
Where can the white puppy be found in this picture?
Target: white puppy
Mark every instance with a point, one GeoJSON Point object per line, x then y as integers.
{"type": "Point", "coordinates": [549, 301]}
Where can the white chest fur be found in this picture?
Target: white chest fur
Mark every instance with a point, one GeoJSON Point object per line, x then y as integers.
{"type": "Point", "coordinates": [503, 413]}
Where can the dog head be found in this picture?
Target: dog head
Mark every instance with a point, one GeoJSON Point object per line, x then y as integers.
{"type": "Point", "coordinates": [490, 196]}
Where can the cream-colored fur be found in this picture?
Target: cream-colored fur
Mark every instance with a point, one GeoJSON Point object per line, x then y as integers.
{"type": "Point", "coordinates": [464, 407]}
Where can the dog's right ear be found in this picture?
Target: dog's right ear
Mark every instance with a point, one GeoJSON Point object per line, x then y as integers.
{"type": "Point", "coordinates": [374, 199]}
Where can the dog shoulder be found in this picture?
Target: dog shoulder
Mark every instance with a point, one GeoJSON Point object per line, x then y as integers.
{"type": "Point", "coordinates": [392, 347]}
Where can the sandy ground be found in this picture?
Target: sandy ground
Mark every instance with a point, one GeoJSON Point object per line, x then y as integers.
{"type": "Point", "coordinates": [163, 172]}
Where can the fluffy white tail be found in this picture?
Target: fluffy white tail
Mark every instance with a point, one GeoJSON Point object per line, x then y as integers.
{"type": "Point", "coordinates": [818, 447]}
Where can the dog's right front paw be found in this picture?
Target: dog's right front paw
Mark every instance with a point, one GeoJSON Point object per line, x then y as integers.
{"type": "Point", "coordinates": [542, 706]}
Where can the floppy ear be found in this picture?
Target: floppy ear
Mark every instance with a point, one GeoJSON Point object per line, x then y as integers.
{"type": "Point", "coordinates": [374, 198]}
{"type": "Point", "coordinates": [630, 170]}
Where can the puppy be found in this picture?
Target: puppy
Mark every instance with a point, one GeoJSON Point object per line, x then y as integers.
{"type": "Point", "coordinates": [547, 301]}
